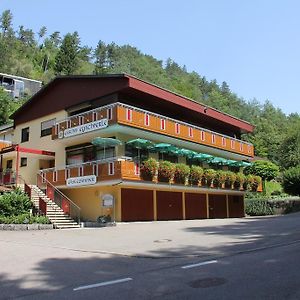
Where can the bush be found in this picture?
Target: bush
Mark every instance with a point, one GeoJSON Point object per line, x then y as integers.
{"type": "Point", "coordinates": [256, 207]}
{"type": "Point", "coordinates": [166, 171]}
{"type": "Point", "coordinates": [181, 173]}
{"type": "Point", "coordinates": [14, 203]}
{"type": "Point", "coordinates": [291, 181]}
{"type": "Point", "coordinates": [24, 219]}
{"type": "Point", "coordinates": [149, 169]}
{"type": "Point", "coordinates": [196, 175]}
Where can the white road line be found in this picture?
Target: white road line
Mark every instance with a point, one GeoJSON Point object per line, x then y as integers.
{"type": "Point", "coordinates": [91, 286]}
{"type": "Point", "coordinates": [200, 264]}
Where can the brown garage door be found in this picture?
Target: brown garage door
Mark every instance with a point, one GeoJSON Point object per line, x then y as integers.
{"type": "Point", "coordinates": [195, 206]}
{"type": "Point", "coordinates": [236, 206]}
{"type": "Point", "coordinates": [169, 205]}
{"type": "Point", "coordinates": [137, 205]}
{"type": "Point", "coordinates": [217, 206]}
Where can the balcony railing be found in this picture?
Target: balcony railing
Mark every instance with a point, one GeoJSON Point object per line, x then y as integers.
{"type": "Point", "coordinates": [135, 117]}
{"type": "Point", "coordinates": [101, 171]}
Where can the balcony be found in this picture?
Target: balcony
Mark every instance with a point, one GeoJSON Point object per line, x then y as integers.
{"type": "Point", "coordinates": [100, 172]}
{"type": "Point", "coordinates": [133, 117]}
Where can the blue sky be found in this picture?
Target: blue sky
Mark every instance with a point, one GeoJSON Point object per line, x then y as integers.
{"type": "Point", "coordinates": [252, 45]}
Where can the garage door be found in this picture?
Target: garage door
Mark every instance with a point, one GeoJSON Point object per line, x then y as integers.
{"type": "Point", "coordinates": [236, 206]}
{"type": "Point", "coordinates": [195, 206]}
{"type": "Point", "coordinates": [136, 205]}
{"type": "Point", "coordinates": [217, 206]}
{"type": "Point", "coordinates": [169, 205]}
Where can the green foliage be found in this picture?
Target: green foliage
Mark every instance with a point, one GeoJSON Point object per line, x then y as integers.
{"type": "Point", "coordinates": [289, 151]}
{"type": "Point", "coordinates": [209, 175]}
{"type": "Point", "coordinates": [230, 178]}
{"type": "Point", "coordinates": [166, 171]}
{"type": "Point", "coordinates": [181, 173]}
{"type": "Point", "coordinates": [255, 207]}
{"type": "Point", "coordinates": [24, 219]}
{"type": "Point", "coordinates": [196, 175]}
{"type": "Point", "coordinates": [291, 181]}
{"type": "Point", "coordinates": [67, 58]}
{"type": "Point", "coordinates": [149, 168]}
{"type": "Point", "coordinates": [263, 168]}
{"type": "Point", "coordinates": [14, 203]}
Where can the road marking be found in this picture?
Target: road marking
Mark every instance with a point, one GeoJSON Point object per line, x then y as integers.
{"type": "Point", "coordinates": [91, 286]}
{"type": "Point", "coordinates": [200, 264]}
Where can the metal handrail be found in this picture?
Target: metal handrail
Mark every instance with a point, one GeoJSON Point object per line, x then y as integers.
{"type": "Point", "coordinates": [44, 180]}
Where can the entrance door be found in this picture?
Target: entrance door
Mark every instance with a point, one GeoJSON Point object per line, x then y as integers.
{"type": "Point", "coordinates": [236, 206]}
{"type": "Point", "coordinates": [169, 205]}
{"type": "Point", "coordinates": [137, 205]}
{"type": "Point", "coordinates": [195, 206]}
{"type": "Point", "coordinates": [217, 206]}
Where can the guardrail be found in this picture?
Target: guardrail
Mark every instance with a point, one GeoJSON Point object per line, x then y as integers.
{"type": "Point", "coordinates": [61, 200]}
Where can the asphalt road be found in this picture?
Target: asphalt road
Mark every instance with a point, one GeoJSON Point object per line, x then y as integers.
{"type": "Point", "coordinates": [257, 258]}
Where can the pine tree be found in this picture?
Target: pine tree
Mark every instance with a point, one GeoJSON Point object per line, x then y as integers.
{"type": "Point", "coordinates": [67, 58]}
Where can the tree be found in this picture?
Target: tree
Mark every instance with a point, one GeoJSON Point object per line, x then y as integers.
{"type": "Point", "coordinates": [263, 168]}
{"type": "Point", "coordinates": [42, 32]}
{"type": "Point", "coordinates": [67, 58]}
{"type": "Point", "coordinates": [290, 147]}
{"type": "Point", "coordinates": [291, 181]}
{"type": "Point", "coordinates": [100, 55]}
{"type": "Point", "coordinates": [6, 21]}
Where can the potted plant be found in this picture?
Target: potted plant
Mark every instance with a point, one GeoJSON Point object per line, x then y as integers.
{"type": "Point", "coordinates": [166, 171]}
{"type": "Point", "coordinates": [181, 173]}
{"type": "Point", "coordinates": [149, 169]}
{"type": "Point", "coordinates": [239, 180]}
{"type": "Point", "coordinates": [209, 176]}
{"type": "Point", "coordinates": [255, 183]}
{"type": "Point", "coordinates": [230, 178]}
{"type": "Point", "coordinates": [196, 175]}
{"type": "Point", "coordinates": [219, 179]}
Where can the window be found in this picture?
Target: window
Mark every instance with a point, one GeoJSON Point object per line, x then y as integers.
{"type": "Point", "coordinates": [241, 147]}
{"type": "Point", "coordinates": [25, 135]}
{"type": "Point", "coordinates": [23, 162]}
{"type": "Point", "coordinates": [191, 134]}
{"type": "Point", "coordinates": [46, 127]}
{"type": "Point", "coordinates": [136, 154]}
{"type": "Point", "coordinates": [9, 164]}
{"type": "Point", "coordinates": [168, 157]}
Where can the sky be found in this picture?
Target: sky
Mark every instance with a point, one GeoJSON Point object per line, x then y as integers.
{"type": "Point", "coordinates": [252, 45]}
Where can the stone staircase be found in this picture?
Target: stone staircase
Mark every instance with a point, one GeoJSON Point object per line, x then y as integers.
{"type": "Point", "coordinates": [55, 214]}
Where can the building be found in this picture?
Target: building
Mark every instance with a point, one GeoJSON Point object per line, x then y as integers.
{"type": "Point", "coordinates": [18, 86]}
{"type": "Point", "coordinates": [54, 131]}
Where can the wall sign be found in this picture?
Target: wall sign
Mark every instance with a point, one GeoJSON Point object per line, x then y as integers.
{"type": "Point", "coordinates": [100, 124]}
{"type": "Point", "coordinates": [107, 200]}
{"type": "Point", "coordinates": [83, 180]}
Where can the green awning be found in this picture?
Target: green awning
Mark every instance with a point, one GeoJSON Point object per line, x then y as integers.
{"type": "Point", "coordinates": [203, 157]}
{"type": "Point", "coordinates": [140, 143]}
{"type": "Point", "coordinates": [106, 142]}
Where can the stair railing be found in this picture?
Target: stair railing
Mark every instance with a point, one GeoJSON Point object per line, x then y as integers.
{"type": "Point", "coordinates": [60, 199]}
